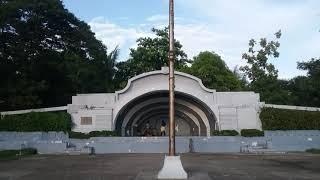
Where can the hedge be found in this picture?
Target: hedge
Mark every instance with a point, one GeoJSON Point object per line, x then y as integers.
{"type": "Point", "coordinates": [282, 119]}
{"type": "Point", "coordinates": [79, 135]}
{"type": "Point", "coordinates": [251, 133]}
{"type": "Point", "coordinates": [37, 121]}
{"type": "Point", "coordinates": [313, 151]}
{"type": "Point", "coordinates": [14, 154]}
{"type": "Point", "coordinates": [225, 133]}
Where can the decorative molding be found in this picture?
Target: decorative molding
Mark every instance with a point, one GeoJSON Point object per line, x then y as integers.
{"type": "Point", "coordinates": [164, 70]}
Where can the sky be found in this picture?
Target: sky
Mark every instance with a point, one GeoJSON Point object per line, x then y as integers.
{"type": "Point", "coordinates": [222, 26]}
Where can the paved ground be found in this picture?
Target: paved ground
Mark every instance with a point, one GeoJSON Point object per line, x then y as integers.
{"type": "Point", "coordinates": [145, 166]}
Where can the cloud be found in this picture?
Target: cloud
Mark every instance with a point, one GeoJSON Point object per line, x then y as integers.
{"type": "Point", "coordinates": [225, 26]}
{"type": "Point", "coordinates": [157, 18]}
{"type": "Point", "coordinates": [113, 35]}
{"type": "Point", "coordinates": [246, 19]}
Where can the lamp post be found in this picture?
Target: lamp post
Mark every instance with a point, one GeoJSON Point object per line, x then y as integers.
{"type": "Point", "coordinates": [172, 167]}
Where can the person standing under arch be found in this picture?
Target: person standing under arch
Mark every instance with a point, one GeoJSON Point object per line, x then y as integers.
{"type": "Point", "coordinates": [163, 128]}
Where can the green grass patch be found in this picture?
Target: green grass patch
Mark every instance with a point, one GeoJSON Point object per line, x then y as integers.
{"type": "Point", "coordinates": [313, 151]}
{"type": "Point", "coordinates": [16, 154]}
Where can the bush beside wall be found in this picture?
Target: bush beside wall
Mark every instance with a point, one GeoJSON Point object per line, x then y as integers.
{"type": "Point", "coordinates": [79, 135]}
{"type": "Point", "coordinates": [313, 151]}
{"type": "Point", "coordinates": [251, 133]}
{"type": "Point", "coordinates": [225, 133]}
{"type": "Point", "coordinates": [37, 121]}
{"type": "Point", "coordinates": [14, 154]}
{"type": "Point", "coordinates": [282, 119]}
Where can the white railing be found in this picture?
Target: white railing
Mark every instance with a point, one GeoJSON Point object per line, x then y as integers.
{"type": "Point", "coordinates": [64, 108]}
{"type": "Point", "coordinates": [61, 108]}
{"type": "Point", "coordinates": [301, 108]}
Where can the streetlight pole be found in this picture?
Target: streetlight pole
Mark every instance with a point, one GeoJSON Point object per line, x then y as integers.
{"type": "Point", "coordinates": [172, 148]}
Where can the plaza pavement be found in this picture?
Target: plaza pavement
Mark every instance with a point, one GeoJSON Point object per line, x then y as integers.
{"type": "Point", "coordinates": [146, 166]}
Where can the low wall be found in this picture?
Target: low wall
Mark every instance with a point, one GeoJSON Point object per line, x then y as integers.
{"type": "Point", "coordinates": [44, 142]}
{"type": "Point", "coordinates": [103, 145]}
{"type": "Point", "coordinates": [58, 142]}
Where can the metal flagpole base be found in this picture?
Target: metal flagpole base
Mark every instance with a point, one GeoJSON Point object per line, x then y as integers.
{"type": "Point", "coordinates": [172, 169]}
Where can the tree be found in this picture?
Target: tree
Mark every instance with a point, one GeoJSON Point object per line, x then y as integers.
{"type": "Point", "coordinates": [313, 68]}
{"type": "Point", "coordinates": [307, 88]}
{"type": "Point", "coordinates": [214, 73]}
{"type": "Point", "coordinates": [261, 73]}
{"type": "Point", "coordinates": [257, 59]}
{"type": "Point", "coordinates": [48, 55]}
{"type": "Point", "coordinates": [151, 54]}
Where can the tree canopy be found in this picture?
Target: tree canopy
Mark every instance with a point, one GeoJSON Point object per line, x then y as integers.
{"type": "Point", "coordinates": [262, 74]}
{"type": "Point", "coordinates": [214, 73]}
{"type": "Point", "coordinates": [151, 54]}
{"type": "Point", "coordinates": [306, 89]}
{"type": "Point", "coordinates": [47, 55]}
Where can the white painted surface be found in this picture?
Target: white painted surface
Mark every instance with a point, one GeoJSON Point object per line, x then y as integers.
{"type": "Point", "coordinates": [93, 100]}
{"type": "Point", "coordinates": [101, 120]}
{"type": "Point", "coordinates": [232, 110]}
{"type": "Point", "coordinates": [172, 169]}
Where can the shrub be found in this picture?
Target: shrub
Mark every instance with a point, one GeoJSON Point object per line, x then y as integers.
{"type": "Point", "coordinates": [225, 133]}
{"type": "Point", "coordinates": [14, 154]}
{"type": "Point", "coordinates": [313, 151]}
{"type": "Point", "coordinates": [251, 133]}
{"type": "Point", "coordinates": [37, 121]}
{"type": "Point", "coordinates": [282, 119]}
{"type": "Point", "coordinates": [102, 133]}
{"type": "Point", "coordinates": [79, 135]}
{"type": "Point", "coordinates": [29, 151]}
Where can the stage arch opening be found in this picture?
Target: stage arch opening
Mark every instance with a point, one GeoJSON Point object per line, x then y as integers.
{"type": "Point", "coordinates": [144, 116]}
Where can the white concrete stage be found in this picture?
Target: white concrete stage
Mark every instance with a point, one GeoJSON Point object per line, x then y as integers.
{"type": "Point", "coordinates": [144, 100]}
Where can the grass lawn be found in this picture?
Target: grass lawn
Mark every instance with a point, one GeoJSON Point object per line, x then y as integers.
{"type": "Point", "coordinates": [15, 154]}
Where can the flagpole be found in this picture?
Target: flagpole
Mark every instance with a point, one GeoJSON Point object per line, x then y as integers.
{"type": "Point", "coordinates": [172, 166]}
{"type": "Point", "coordinates": [172, 148]}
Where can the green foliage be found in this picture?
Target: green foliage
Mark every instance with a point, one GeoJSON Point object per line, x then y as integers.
{"type": "Point", "coordinates": [251, 133]}
{"type": "Point", "coordinates": [151, 54]}
{"type": "Point", "coordinates": [214, 73]}
{"type": "Point", "coordinates": [102, 133]}
{"type": "Point", "coordinates": [281, 119]}
{"type": "Point", "coordinates": [36, 121]}
{"type": "Point", "coordinates": [257, 59]}
{"type": "Point", "coordinates": [307, 89]}
{"type": "Point", "coordinates": [48, 55]}
{"type": "Point", "coordinates": [313, 151]}
{"type": "Point", "coordinates": [225, 133]}
{"type": "Point", "coordinates": [79, 135]}
{"type": "Point", "coordinates": [14, 154]}
{"type": "Point", "coordinates": [261, 73]}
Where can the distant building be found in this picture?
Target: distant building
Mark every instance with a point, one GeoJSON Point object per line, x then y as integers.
{"type": "Point", "coordinates": [199, 110]}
